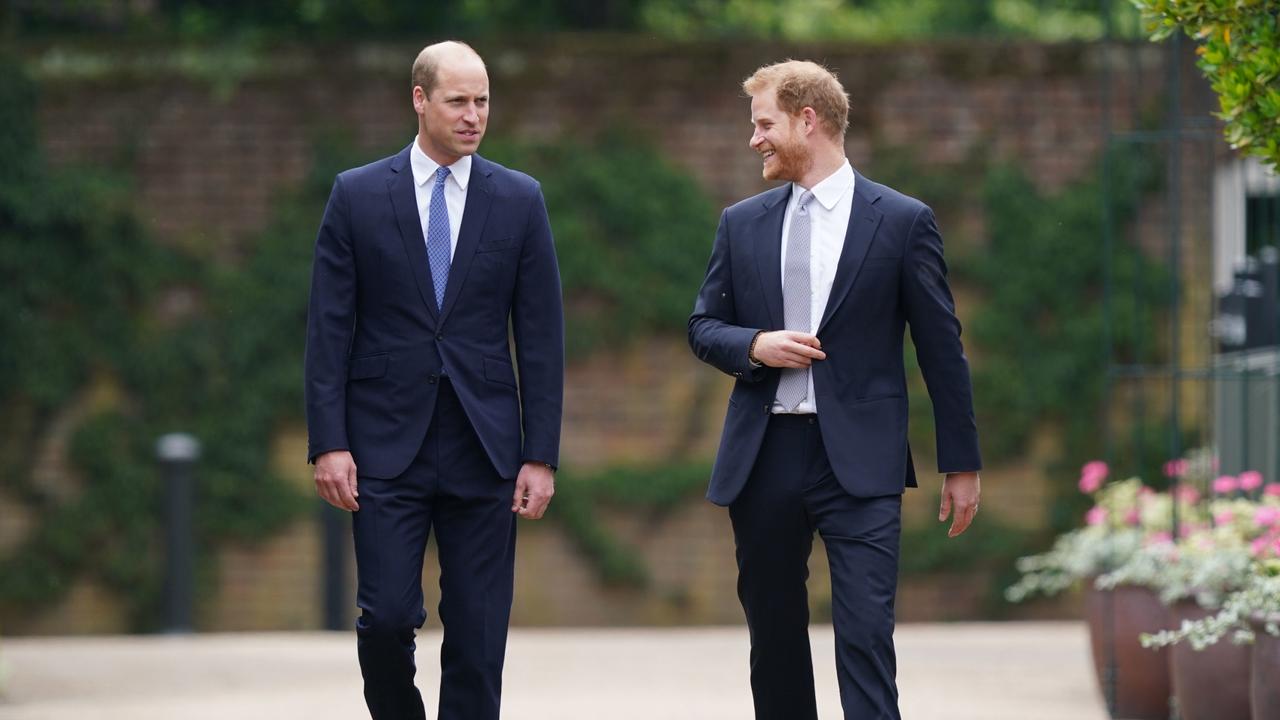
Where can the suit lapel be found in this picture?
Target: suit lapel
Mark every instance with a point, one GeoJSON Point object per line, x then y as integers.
{"type": "Point", "coordinates": [768, 250]}
{"type": "Point", "coordinates": [404, 202]}
{"type": "Point", "coordinates": [864, 220]}
{"type": "Point", "coordinates": [474, 215]}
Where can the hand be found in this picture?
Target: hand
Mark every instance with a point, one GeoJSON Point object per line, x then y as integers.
{"type": "Point", "coordinates": [534, 487]}
{"type": "Point", "coordinates": [788, 349]}
{"type": "Point", "coordinates": [961, 491]}
{"type": "Point", "coordinates": [336, 479]}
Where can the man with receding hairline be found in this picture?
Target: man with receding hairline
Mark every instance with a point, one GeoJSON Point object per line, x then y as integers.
{"type": "Point", "coordinates": [415, 420]}
{"type": "Point", "coordinates": [807, 295]}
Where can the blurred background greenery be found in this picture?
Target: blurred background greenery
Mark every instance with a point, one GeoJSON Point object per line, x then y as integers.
{"type": "Point", "coordinates": [875, 21]}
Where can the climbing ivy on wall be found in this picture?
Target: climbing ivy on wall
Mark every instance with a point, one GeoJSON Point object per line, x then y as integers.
{"type": "Point", "coordinates": [631, 232]}
{"type": "Point", "coordinates": [1037, 325]}
{"type": "Point", "coordinates": [145, 339]}
{"type": "Point", "coordinates": [1035, 330]}
{"type": "Point", "coordinates": [175, 340]}
{"type": "Point", "coordinates": [142, 339]}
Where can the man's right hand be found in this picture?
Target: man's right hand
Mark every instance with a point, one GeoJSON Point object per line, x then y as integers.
{"type": "Point", "coordinates": [788, 349]}
{"type": "Point", "coordinates": [336, 479]}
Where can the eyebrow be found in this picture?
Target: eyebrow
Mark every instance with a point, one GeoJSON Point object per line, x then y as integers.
{"type": "Point", "coordinates": [464, 96]}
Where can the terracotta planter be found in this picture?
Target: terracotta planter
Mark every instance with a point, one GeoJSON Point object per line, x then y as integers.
{"type": "Point", "coordinates": [1142, 684]}
{"type": "Point", "coordinates": [1265, 662]}
{"type": "Point", "coordinates": [1213, 683]}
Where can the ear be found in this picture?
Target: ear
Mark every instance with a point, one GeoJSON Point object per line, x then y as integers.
{"type": "Point", "coordinates": [419, 99]}
{"type": "Point", "coordinates": [810, 118]}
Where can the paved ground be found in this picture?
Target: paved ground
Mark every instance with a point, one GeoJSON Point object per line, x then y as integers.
{"type": "Point", "coordinates": [979, 671]}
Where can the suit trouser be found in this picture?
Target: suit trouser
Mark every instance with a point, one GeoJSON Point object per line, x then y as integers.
{"type": "Point", "coordinates": [791, 492]}
{"type": "Point", "coordinates": [451, 486]}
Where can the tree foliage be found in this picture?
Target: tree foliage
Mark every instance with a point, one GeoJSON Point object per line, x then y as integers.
{"type": "Point", "coordinates": [874, 20]}
{"type": "Point", "coordinates": [1240, 55]}
{"type": "Point", "coordinates": [307, 20]}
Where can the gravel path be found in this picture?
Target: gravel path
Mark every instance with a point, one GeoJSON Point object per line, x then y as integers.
{"type": "Point", "coordinates": [972, 671]}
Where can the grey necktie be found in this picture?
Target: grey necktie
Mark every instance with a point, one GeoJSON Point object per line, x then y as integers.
{"type": "Point", "coordinates": [797, 299]}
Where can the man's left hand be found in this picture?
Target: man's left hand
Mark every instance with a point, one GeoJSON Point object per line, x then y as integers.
{"type": "Point", "coordinates": [960, 492]}
{"type": "Point", "coordinates": [534, 487]}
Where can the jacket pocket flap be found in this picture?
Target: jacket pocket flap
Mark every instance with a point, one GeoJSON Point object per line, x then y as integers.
{"type": "Point", "coordinates": [368, 366]}
{"type": "Point", "coordinates": [499, 371]}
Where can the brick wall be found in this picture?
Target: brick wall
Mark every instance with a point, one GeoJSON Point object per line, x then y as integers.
{"type": "Point", "coordinates": [208, 162]}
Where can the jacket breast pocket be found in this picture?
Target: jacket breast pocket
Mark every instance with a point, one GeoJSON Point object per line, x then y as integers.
{"type": "Point", "coordinates": [507, 243]}
{"type": "Point", "coordinates": [882, 263]}
{"type": "Point", "coordinates": [367, 366]}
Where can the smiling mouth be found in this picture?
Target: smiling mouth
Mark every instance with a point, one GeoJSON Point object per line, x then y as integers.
{"type": "Point", "coordinates": [768, 154]}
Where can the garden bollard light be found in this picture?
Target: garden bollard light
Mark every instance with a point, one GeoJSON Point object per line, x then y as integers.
{"type": "Point", "coordinates": [178, 453]}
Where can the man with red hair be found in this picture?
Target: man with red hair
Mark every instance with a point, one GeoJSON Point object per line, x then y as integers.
{"type": "Point", "coordinates": [808, 292]}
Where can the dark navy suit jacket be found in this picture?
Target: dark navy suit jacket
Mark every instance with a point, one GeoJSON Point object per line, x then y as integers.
{"type": "Point", "coordinates": [377, 344]}
{"type": "Point", "coordinates": [891, 274]}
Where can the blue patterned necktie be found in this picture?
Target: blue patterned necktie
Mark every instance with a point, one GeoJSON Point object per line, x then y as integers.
{"type": "Point", "coordinates": [797, 298]}
{"type": "Point", "coordinates": [439, 243]}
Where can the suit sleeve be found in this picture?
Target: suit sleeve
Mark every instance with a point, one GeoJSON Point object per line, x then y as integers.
{"type": "Point", "coordinates": [331, 317]}
{"type": "Point", "coordinates": [537, 316]}
{"type": "Point", "coordinates": [935, 331]}
{"type": "Point", "coordinates": [714, 334]}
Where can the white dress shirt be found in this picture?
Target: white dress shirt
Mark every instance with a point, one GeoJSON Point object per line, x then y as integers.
{"type": "Point", "coordinates": [829, 223]}
{"type": "Point", "coordinates": [455, 190]}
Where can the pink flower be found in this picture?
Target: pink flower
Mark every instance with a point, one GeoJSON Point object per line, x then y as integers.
{"type": "Point", "coordinates": [1224, 517]}
{"type": "Point", "coordinates": [1265, 544]}
{"type": "Point", "coordinates": [1250, 480]}
{"type": "Point", "coordinates": [1132, 517]}
{"type": "Point", "coordinates": [1160, 538]}
{"type": "Point", "coordinates": [1272, 490]}
{"type": "Point", "coordinates": [1225, 484]}
{"type": "Point", "coordinates": [1259, 546]}
{"type": "Point", "coordinates": [1096, 515]}
{"type": "Point", "coordinates": [1188, 494]}
{"type": "Point", "coordinates": [1175, 468]}
{"type": "Point", "coordinates": [1092, 475]}
{"type": "Point", "coordinates": [1266, 516]}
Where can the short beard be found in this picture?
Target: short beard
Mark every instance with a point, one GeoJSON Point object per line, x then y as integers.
{"type": "Point", "coordinates": [792, 162]}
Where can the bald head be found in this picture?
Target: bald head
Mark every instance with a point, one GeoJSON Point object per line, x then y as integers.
{"type": "Point", "coordinates": [449, 54]}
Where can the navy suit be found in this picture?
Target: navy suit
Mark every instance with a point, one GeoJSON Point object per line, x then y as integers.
{"type": "Point", "coordinates": [842, 472]}
{"type": "Point", "coordinates": [426, 399]}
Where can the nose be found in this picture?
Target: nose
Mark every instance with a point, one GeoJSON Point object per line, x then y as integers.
{"type": "Point", "coordinates": [756, 139]}
{"type": "Point", "coordinates": [472, 115]}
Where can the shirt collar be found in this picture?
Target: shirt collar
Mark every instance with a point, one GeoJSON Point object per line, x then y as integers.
{"type": "Point", "coordinates": [424, 168]}
{"type": "Point", "coordinates": [832, 188]}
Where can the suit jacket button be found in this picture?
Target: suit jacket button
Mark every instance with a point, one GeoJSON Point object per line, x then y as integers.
{"type": "Point", "coordinates": [432, 378]}
{"type": "Point", "coordinates": [767, 407]}
{"type": "Point", "coordinates": [439, 336]}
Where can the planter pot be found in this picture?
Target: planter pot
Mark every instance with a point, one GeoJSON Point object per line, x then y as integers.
{"type": "Point", "coordinates": [1116, 619]}
{"type": "Point", "coordinates": [1265, 693]}
{"type": "Point", "coordinates": [1213, 683]}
